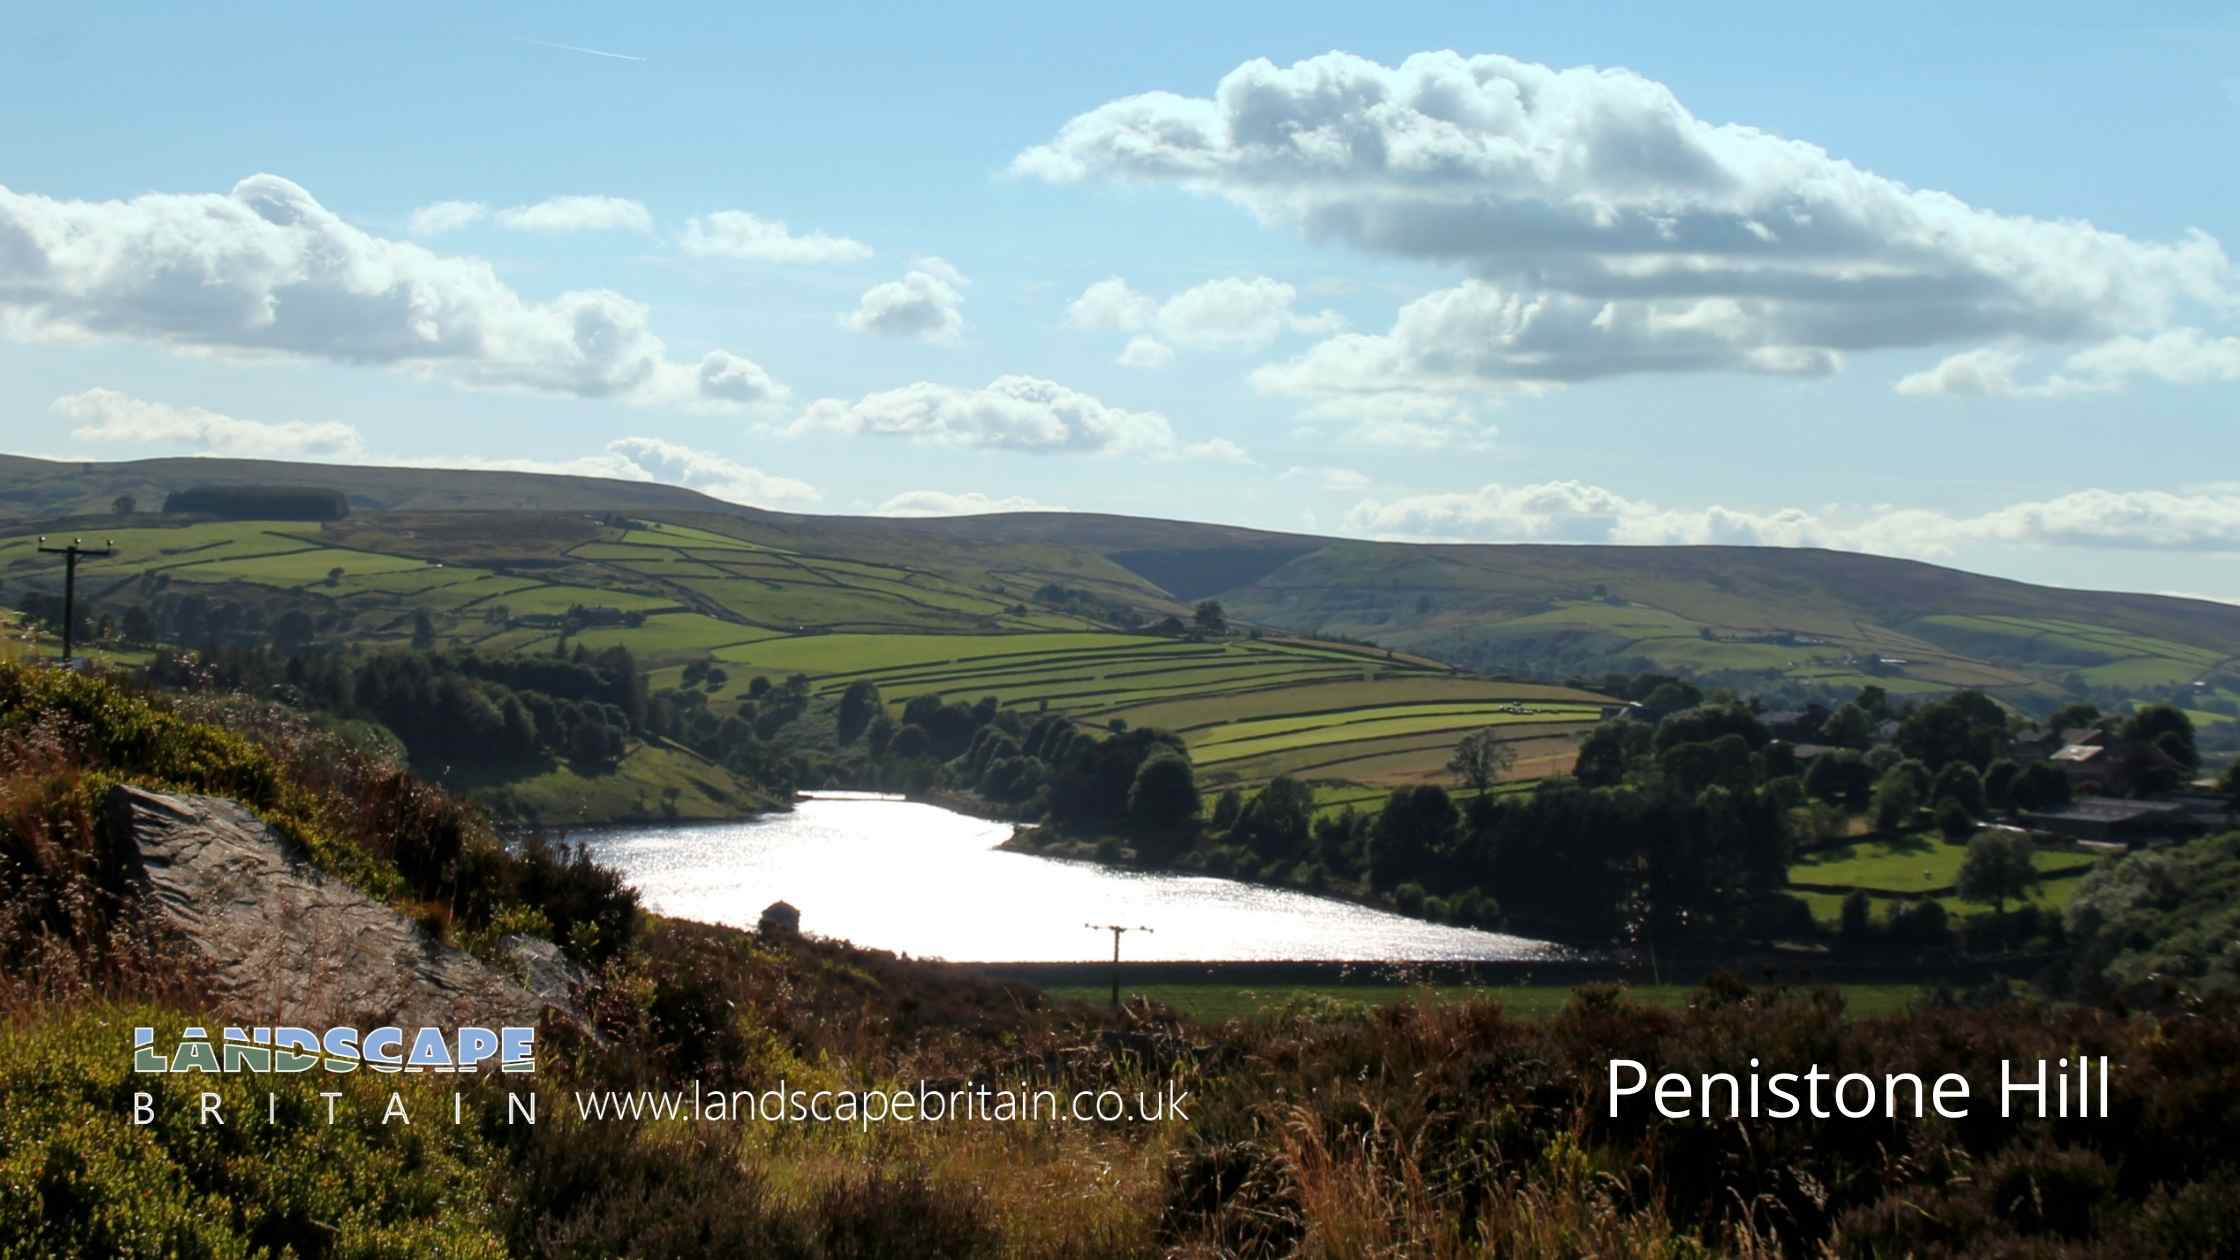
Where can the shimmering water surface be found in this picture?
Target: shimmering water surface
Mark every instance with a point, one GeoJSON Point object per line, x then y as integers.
{"type": "Point", "coordinates": [924, 881]}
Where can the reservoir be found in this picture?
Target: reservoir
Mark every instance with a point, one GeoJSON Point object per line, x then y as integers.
{"type": "Point", "coordinates": [924, 881]}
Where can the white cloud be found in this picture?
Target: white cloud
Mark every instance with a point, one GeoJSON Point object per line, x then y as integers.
{"type": "Point", "coordinates": [107, 415]}
{"type": "Point", "coordinates": [266, 270]}
{"type": "Point", "coordinates": [1230, 313]}
{"type": "Point", "coordinates": [1605, 229]}
{"type": "Point", "coordinates": [1215, 451]}
{"type": "Point", "coordinates": [737, 234]}
{"type": "Point", "coordinates": [1988, 372]}
{"type": "Point", "coordinates": [636, 459]}
{"type": "Point", "coordinates": [553, 214]}
{"type": "Point", "coordinates": [1327, 478]}
{"type": "Point", "coordinates": [1013, 413]}
{"type": "Point", "coordinates": [1110, 305]}
{"type": "Point", "coordinates": [943, 270]}
{"type": "Point", "coordinates": [717, 475]}
{"type": "Point", "coordinates": [578, 214]}
{"type": "Point", "coordinates": [1148, 353]}
{"type": "Point", "coordinates": [447, 216]}
{"type": "Point", "coordinates": [1572, 511]}
{"type": "Point", "coordinates": [2179, 356]}
{"type": "Point", "coordinates": [926, 304]}
{"type": "Point", "coordinates": [1478, 339]}
{"type": "Point", "coordinates": [730, 378]}
{"type": "Point", "coordinates": [942, 503]}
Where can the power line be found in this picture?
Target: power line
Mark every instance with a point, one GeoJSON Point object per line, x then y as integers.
{"type": "Point", "coordinates": [71, 554]}
{"type": "Point", "coordinates": [1116, 929]}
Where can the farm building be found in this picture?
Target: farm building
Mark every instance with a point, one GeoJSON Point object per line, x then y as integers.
{"type": "Point", "coordinates": [2114, 768]}
{"type": "Point", "coordinates": [1794, 724]}
{"type": "Point", "coordinates": [2108, 819]}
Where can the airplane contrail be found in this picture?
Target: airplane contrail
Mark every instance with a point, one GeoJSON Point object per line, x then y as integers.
{"type": "Point", "coordinates": [590, 52]}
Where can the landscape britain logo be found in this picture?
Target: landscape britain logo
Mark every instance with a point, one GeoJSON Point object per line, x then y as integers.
{"type": "Point", "coordinates": [291, 1050]}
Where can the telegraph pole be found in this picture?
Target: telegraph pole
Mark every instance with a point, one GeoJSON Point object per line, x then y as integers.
{"type": "Point", "coordinates": [70, 554]}
{"type": "Point", "coordinates": [1116, 929]}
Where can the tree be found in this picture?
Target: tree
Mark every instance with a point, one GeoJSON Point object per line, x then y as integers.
{"type": "Point", "coordinates": [1998, 785]}
{"type": "Point", "coordinates": [1998, 869]}
{"type": "Point", "coordinates": [1416, 827]}
{"type": "Point", "coordinates": [1226, 807]}
{"type": "Point", "coordinates": [1954, 821]}
{"type": "Point", "coordinates": [1280, 820]}
{"type": "Point", "coordinates": [1847, 727]}
{"type": "Point", "coordinates": [2039, 787]}
{"type": "Point", "coordinates": [911, 741]}
{"type": "Point", "coordinates": [1966, 726]}
{"type": "Point", "coordinates": [124, 505]}
{"type": "Point", "coordinates": [1164, 796]}
{"type": "Point", "coordinates": [857, 704]}
{"type": "Point", "coordinates": [1604, 753]}
{"type": "Point", "coordinates": [1960, 782]}
{"type": "Point", "coordinates": [1210, 617]}
{"type": "Point", "coordinates": [1481, 759]}
{"type": "Point", "coordinates": [139, 626]}
{"type": "Point", "coordinates": [2070, 717]}
{"type": "Point", "coordinates": [423, 630]}
{"type": "Point", "coordinates": [2229, 788]}
{"type": "Point", "coordinates": [1858, 917]}
{"type": "Point", "coordinates": [2150, 725]}
{"type": "Point", "coordinates": [1896, 798]}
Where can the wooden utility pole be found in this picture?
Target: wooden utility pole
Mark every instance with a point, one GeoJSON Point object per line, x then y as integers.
{"type": "Point", "coordinates": [70, 555]}
{"type": "Point", "coordinates": [1116, 929]}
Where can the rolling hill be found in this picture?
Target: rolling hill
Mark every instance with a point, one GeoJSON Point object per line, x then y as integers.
{"type": "Point", "coordinates": [1047, 610]}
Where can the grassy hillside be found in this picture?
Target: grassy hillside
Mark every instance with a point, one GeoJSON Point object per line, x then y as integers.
{"type": "Point", "coordinates": [1047, 612]}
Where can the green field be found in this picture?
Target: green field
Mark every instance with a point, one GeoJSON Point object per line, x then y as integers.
{"type": "Point", "coordinates": [1335, 732]}
{"type": "Point", "coordinates": [1919, 864]}
{"type": "Point", "coordinates": [965, 609]}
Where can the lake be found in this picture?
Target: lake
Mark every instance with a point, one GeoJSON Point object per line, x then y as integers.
{"type": "Point", "coordinates": [920, 880]}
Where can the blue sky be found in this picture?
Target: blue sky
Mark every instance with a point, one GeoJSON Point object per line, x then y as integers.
{"type": "Point", "coordinates": [1949, 284]}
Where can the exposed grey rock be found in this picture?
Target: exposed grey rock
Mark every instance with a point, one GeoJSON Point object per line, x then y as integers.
{"type": "Point", "coordinates": [543, 969]}
{"type": "Point", "coordinates": [288, 944]}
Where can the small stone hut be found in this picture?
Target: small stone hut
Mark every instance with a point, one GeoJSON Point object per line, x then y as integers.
{"type": "Point", "coordinates": [780, 918]}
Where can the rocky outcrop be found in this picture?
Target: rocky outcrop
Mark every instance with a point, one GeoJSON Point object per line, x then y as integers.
{"type": "Point", "coordinates": [288, 944]}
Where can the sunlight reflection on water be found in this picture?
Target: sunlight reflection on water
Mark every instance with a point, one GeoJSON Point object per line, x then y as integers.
{"type": "Point", "coordinates": [925, 881]}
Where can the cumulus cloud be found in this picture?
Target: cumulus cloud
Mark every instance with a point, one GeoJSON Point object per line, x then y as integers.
{"type": "Point", "coordinates": [578, 214]}
{"type": "Point", "coordinates": [1572, 511]}
{"type": "Point", "coordinates": [737, 234]}
{"type": "Point", "coordinates": [970, 503]}
{"type": "Point", "coordinates": [1605, 229]}
{"type": "Point", "coordinates": [266, 270]}
{"type": "Point", "coordinates": [927, 303]}
{"type": "Point", "coordinates": [1011, 413]}
{"type": "Point", "coordinates": [2179, 356]}
{"type": "Point", "coordinates": [108, 415]}
{"type": "Point", "coordinates": [1231, 313]}
{"type": "Point", "coordinates": [676, 464]}
{"type": "Point", "coordinates": [1148, 353]}
{"type": "Point", "coordinates": [447, 216]}
{"type": "Point", "coordinates": [553, 214]}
